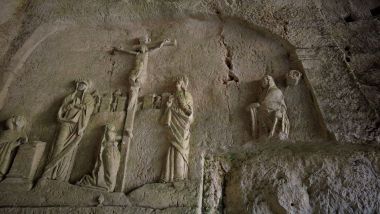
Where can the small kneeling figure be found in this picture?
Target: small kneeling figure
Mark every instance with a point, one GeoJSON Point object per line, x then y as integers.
{"type": "Point", "coordinates": [269, 111]}
{"type": "Point", "coordinates": [107, 163]}
{"type": "Point", "coordinates": [9, 140]}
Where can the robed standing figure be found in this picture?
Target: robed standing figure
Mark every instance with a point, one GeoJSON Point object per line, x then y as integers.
{"type": "Point", "coordinates": [178, 117]}
{"type": "Point", "coordinates": [73, 115]}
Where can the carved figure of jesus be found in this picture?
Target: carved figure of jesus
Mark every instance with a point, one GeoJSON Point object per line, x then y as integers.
{"type": "Point", "coordinates": [141, 52]}
{"type": "Point", "coordinates": [136, 79]}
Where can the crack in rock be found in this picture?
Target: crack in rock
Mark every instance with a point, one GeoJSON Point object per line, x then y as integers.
{"type": "Point", "coordinates": [231, 76]}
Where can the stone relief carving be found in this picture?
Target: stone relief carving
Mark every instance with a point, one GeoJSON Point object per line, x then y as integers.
{"type": "Point", "coordinates": [106, 103]}
{"type": "Point", "coordinates": [293, 77]}
{"type": "Point", "coordinates": [136, 79]}
{"type": "Point", "coordinates": [98, 101]}
{"type": "Point", "coordinates": [109, 102]}
{"type": "Point", "coordinates": [24, 167]}
{"type": "Point", "coordinates": [117, 101]}
{"type": "Point", "coordinates": [141, 52]}
{"type": "Point", "coordinates": [152, 101]}
{"type": "Point", "coordinates": [10, 139]}
{"type": "Point", "coordinates": [105, 171]}
{"type": "Point", "coordinates": [269, 111]}
{"type": "Point", "coordinates": [73, 116]}
{"type": "Point", "coordinates": [178, 117]}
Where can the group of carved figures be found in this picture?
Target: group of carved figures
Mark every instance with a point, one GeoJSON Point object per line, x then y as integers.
{"type": "Point", "coordinates": [269, 118]}
{"type": "Point", "coordinates": [114, 102]}
{"type": "Point", "coordinates": [74, 116]}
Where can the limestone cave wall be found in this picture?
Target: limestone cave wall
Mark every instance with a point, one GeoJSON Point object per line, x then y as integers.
{"type": "Point", "coordinates": [329, 164]}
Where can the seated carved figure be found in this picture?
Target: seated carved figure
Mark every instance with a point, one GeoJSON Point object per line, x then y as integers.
{"type": "Point", "coordinates": [9, 140]}
{"type": "Point", "coordinates": [269, 111]}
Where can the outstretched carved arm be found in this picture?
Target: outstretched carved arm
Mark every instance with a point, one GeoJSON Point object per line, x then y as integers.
{"type": "Point", "coordinates": [158, 45]}
{"type": "Point", "coordinates": [112, 51]}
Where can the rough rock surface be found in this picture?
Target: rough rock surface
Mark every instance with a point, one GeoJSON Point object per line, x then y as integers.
{"type": "Point", "coordinates": [317, 182]}
{"type": "Point", "coordinates": [330, 163]}
{"type": "Point", "coordinates": [161, 196]}
{"type": "Point", "coordinates": [289, 178]}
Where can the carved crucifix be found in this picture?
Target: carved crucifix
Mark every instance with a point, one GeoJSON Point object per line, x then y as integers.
{"type": "Point", "coordinates": [136, 79]}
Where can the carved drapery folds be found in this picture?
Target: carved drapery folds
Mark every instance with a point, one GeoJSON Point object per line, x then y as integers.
{"type": "Point", "coordinates": [73, 116]}
{"type": "Point", "coordinates": [104, 174]}
{"type": "Point", "coordinates": [178, 117]}
{"type": "Point", "coordinates": [10, 139]}
{"type": "Point", "coordinates": [269, 115]}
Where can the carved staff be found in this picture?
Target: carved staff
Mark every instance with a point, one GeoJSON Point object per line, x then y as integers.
{"type": "Point", "coordinates": [136, 81]}
{"type": "Point", "coordinates": [254, 121]}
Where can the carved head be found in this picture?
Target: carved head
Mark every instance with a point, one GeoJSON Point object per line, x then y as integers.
{"type": "Point", "coordinates": [293, 77]}
{"type": "Point", "coordinates": [182, 82]}
{"type": "Point", "coordinates": [267, 82]}
{"type": "Point", "coordinates": [110, 132]}
{"type": "Point", "coordinates": [144, 39]}
{"type": "Point", "coordinates": [83, 85]}
{"type": "Point", "coordinates": [16, 122]}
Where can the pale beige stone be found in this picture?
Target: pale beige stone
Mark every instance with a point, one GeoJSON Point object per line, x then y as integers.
{"type": "Point", "coordinates": [293, 77]}
{"type": "Point", "coordinates": [22, 173]}
{"type": "Point", "coordinates": [73, 117]}
{"type": "Point", "coordinates": [270, 112]}
{"type": "Point", "coordinates": [106, 167]}
{"type": "Point", "coordinates": [10, 139]}
{"type": "Point", "coordinates": [178, 117]}
{"type": "Point", "coordinates": [136, 77]}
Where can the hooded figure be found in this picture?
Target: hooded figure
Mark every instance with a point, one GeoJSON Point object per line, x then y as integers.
{"type": "Point", "coordinates": [270, 110]}
{"type": "Point", "coordinates": [104, 174]}
{"type": "Point", "coordinates": [178, 117]}
{"type": "Point", "coordinates": [73, 116]}
{"type": "Point", "coordinates": [10, 139]}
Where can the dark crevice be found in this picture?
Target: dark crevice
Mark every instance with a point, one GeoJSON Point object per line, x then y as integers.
{"type": "Point", "coordinates": [375, 11]}
{"type": "Point", "coordinates": [286, 27]}
{"type": "Point", "coordinates": [231, 76]}
{"type": "Point", "coordinates": [349, 18]}
{"type": "Point", "coordinates": [224, 187]}
{"type": "Point", "coordinates": [347, 49]}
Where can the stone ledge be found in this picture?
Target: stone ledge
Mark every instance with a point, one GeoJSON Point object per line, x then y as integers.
{"type": "Point", "coordinates": [100, 210]}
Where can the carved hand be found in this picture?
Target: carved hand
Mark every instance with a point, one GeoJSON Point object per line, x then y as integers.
{"type": "Point", "coordinates": [165, 42]}
{"type": "Point", "coordinates": [129, 134]}
{"type": "Point", "coordinates": [170, 101]}
{"type": "Point", "coordinates": [255, 105]}
{"type": "Point", "coordinates": [80, 132]}
{"type": "Point", "coordinates": [111, 50]}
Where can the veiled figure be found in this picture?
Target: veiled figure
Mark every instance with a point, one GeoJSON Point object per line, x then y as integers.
{"type": "Point", "coordinates": [73, 116]}
{"type": "Point", "coordinates": [10, 139]}
{"type": "Point", "coordinates": [104, 174]}
{"type": "Point", "coordinates": [178, 117]}
{"type": "Point", "coordinates": [269, 111]}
